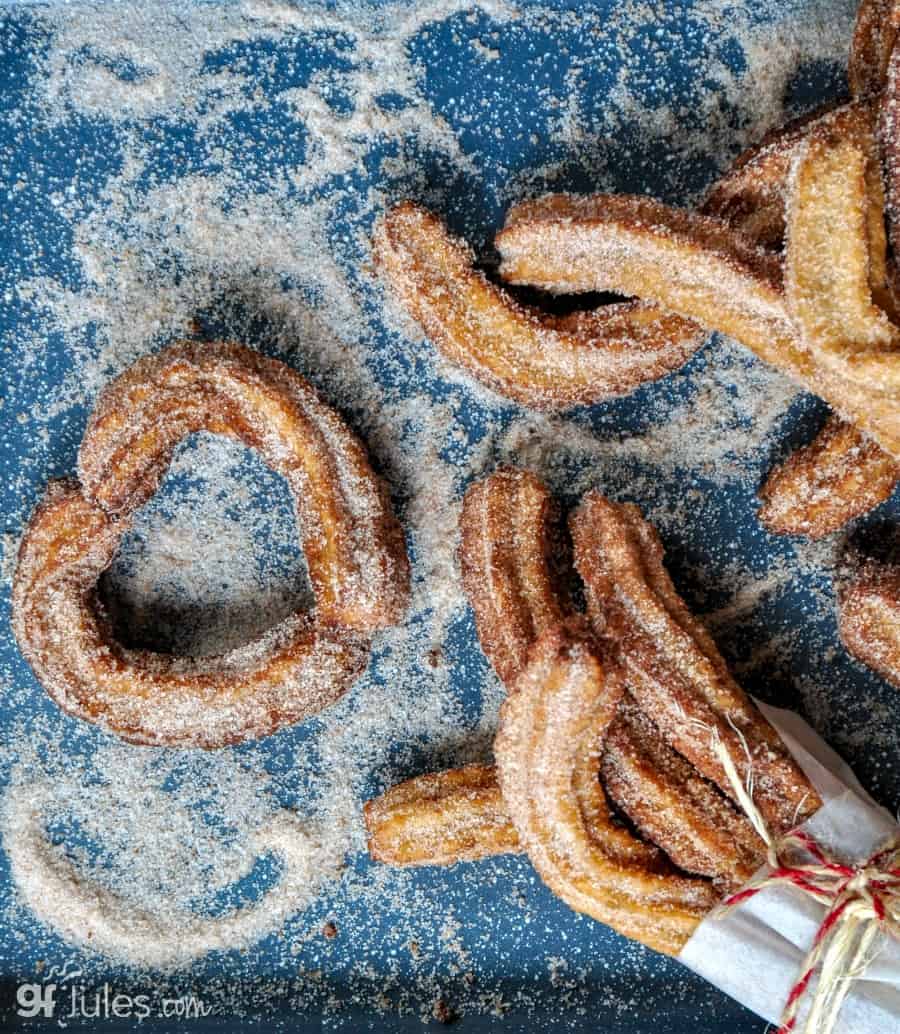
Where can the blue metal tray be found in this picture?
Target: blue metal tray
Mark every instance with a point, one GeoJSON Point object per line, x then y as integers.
{"type": "Point", "coordinates": [600, 95]}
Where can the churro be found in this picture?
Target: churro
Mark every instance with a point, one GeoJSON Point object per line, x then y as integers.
{"type": "Point", "coordinates": [532, 357]}
{"type": "Point", "coordinates": [559, 707]}
{"type": "Point", "coordinates": [869, 618]}
{"type": "Point", "coordinates": [700, 267]}
{"type": "Point", "coordinates": [352, 542]}
{"type": "Point", "coordinates": [670, 803]}
{"type": "Point", "coordinates": [508, 538]}
{"type": "Point", "coordinates": [872, 44]}
{"type": "Point", "coordinates": [441, 818]}
{"type": "Point", "coordinates": [671, 663]}
{"type": "Point", "coordinates": [507, 554]}
{"type": "Point", "coordinates": [840, 475]}
{"type": "Point", "coordinates": [750, 195]}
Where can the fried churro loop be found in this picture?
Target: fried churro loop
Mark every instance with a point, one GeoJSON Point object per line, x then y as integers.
{"type": "Point", "coordinates": [560, 705]}
{"type": "Point", "coordinates": [507, 553]}
{"type": "Point", "coordinates": [458, 815]}
{"type": "Point", "coordinates": [353, 546]}
{"type": "Point", "coordinates": [701, 268]}
{"type": "Point", "coordinates": [869, 618]}
{"type": "Point", "coordinates": [539, 360]}
{"type": "Point", "coordinates": [843, 473]}
{"type": "Point", "coordinates": [671, 662]}
{"type": "Point", "coordinates": [509, 542]}
{"type": "Point", "coordinates": [750, 195]}
{"type": "Point", "coordinates": [840, 475]}
{"type": "Point", "coordinates": [670, 803]}
{"type": "Point", "coordinates": [351, 539]}
{"type": "Point", "coordinates": [551, 362]}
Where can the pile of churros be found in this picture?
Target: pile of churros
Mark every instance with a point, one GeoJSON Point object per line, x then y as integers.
{"type": "Point", "coordinates": [608, 773]}
{"type": "Point", "coordinates": [605, 775]}
{"type": "Point", "coordinates": [788, 254]}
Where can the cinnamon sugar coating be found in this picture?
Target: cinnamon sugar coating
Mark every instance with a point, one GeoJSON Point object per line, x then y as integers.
{"type": "Point", "coordinates": [750, 195]}
{"type": "Point", "coordinates": [670, 803]}
{"type": "Point", "coordinates": [672, 665]}
{"type": "Point", "coordinates": [836, 276]}
{"type": "Point", "coordinates": [869, 618]}
{"type": "Point", "coordinates": [703, 269]}
{"type": "Point", "coordinates": [352, 542]}
{"type": "Point", "coordinates": [841, 474]}
{"type": "Point", "coordinates": [353, 547]}
{"type": "Point", "coordinates": [560, 705]}
{"type": "Point", "coordinates": [874, 35]}
{"type": "Point", "coordinates": [441, 818]}
{"type": "Point", "coordinates": [508, 555]}
{"type": "Point", "coordinates": [543, 361]}
{"type": "Point", "coordinates": [506, 546]}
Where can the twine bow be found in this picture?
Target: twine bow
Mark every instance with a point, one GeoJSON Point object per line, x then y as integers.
{"type": "Point", "coordinates": [862, 903]}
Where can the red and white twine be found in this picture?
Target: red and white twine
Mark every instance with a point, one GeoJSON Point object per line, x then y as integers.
{"type": "Point", "coordinates": [861, 901]}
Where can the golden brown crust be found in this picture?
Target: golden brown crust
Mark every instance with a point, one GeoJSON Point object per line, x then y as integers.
{"type": "Point", "coordinates": [539, 360]}
{"type": "Point", "coordinates": [750, 195]}
{"type": "Point", "coordinates": [458, 815]}
{"type": "Point", "coordinates": [840, 475]}
{"type": "Point", "coordinates": [506, 545]}
{"type": "Point", "coordinates": [641, 247]}
{"type": "Point", "coordinates": [352, 542]}
{"type": "Point", "coordinates": [591, 796]}
{"type": "Point", "coordinates": [869, 618]}
{"type": "Point", "coordinates": [508, 538]}
{"type": "Point", "coordinates": [696, 266]}
{"type": "Point", "coordinates": [440, 819]}
{"type": "Point", "coordinates": [559, 728]}
{"type": "Point", "coordinates": [671, 805]}
{"type": "Point", "coordinates": [507, 542]}
{"type": "Point", "coordinates": [870, 50]}
{"type": "Point", "coordinates": [843, 473]}
{"type": "Point", "coordinates": [889, 139]}
{"type": "Point", "coordinates": [835, 257]}
{"type": "Point", "coordinates": [290, 672]}
{"type": "Point", "coordinates": [634, 221]}
{"type": "Point", "coordinates": [560, 706]}
{"type": "Point", "coordinates": [506, 549]}
{"type": "Point", "coordinates": [672, 665]}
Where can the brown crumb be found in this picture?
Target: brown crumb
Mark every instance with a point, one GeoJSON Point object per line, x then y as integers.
{"type": "Point", "coordinates": [435, 657]}
{"type": "Point", "coordinates": [329, 931]}
{"type": "Point", "coordinates": [443, 1012]}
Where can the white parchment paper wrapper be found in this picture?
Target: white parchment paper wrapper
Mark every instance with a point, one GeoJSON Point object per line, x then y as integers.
{"type": "Point", "coordinates": [754, 953]}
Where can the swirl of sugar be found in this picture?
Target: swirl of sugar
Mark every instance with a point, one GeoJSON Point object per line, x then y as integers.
{"type": "Point", "coordinates": [91, 916]}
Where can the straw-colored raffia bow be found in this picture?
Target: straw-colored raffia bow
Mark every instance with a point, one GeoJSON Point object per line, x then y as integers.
{"type": "Point", "coordinates": [862, 903]}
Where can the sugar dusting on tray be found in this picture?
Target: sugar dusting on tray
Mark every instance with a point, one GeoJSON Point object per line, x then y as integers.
{"type": "Point", "coordinates": [233, 184]}
{"type": "Point", "coordinates": [86, 912]}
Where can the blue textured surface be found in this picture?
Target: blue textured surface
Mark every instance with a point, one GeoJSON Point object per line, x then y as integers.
{"type": "Point", "coordinates": [511, 137]}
